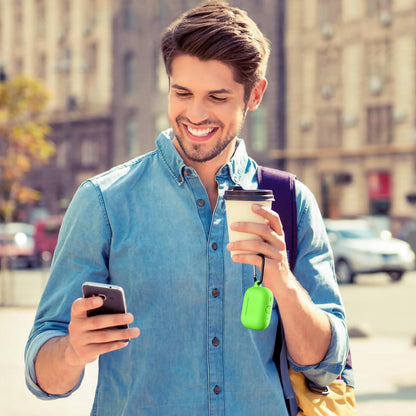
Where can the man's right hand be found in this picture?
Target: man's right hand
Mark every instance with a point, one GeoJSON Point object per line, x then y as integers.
{"type": "Point", "coordinates": [89, 337]}
{"type": "Point", "coordinates": [61, 360]}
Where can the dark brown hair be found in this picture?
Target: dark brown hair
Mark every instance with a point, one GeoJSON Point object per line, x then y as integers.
{"type": "Point", "coordinates": [214, 30]}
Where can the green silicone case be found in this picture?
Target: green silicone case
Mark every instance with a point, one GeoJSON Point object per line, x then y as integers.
{"type": "Point", "coordinates": [257, 307]}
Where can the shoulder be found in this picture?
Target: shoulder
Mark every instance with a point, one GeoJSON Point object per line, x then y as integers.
{"type": "Point", "coordinates": [123, 175]}
{"type": "Point", "coordinates": [304, 196]}
{"type": "Point", "coordinates": [308, 210]}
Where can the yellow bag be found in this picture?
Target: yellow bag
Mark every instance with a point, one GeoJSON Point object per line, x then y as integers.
{"type": "Point", "coordinates": [339, 399]}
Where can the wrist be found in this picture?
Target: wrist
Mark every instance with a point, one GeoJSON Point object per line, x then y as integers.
{"type": "Point", "coordinates": [71, 358]}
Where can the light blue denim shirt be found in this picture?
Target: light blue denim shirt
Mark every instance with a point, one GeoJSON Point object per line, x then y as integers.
{"type": "Point", "coordinates": [147, 226]}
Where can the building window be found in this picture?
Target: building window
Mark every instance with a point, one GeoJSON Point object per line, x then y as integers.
{"type": "Point", "coordinates": [378, 57]}
{"type": "Point", "coordinates": [62, 151]}
{"type": "Point", "coordinates": [329, 128]}
{"type": "Point", "coordinates": [18, 65]}
{"type": "Point", "coordinates": [40, 19]}
{"type": "Point", "coordinates": [129, 74]}
{"type": "Point", "coordinates": [258, 127]}
{"type": "Point", "coordinates": [65, 20]}
{"type": "Point", "coordinates": [92, 57]}
{"type": "Point", "coordinates": [90, 17]}
{"type": "Point", "coordinates": [90, 71]}
{"type": "Point", "coordinates": [377, 7]}
{"type": "Point", "coordinates": [329, 12]}
{"type": "Point", "coordinates": [18, 22]}
{"type": "Point", "coordinates": [41, 66]}
{"type": "Point", "coordinates": [161, 78]}
{"type": "Point", "coordinates": [89, 153]}
{"type": "Point", "coordinates": [128, 15]}
{"type": "Point", "coordinates": [133, 148]}
{"type": "Point", "coordinates": [379, 125]}
{"type": "Point", "coordinates": [329, 72]}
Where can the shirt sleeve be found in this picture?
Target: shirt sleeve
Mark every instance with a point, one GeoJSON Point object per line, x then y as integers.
{"type": "Point", "coordinates": [81, 254]}
{"type": "Point", "coordinates": [315, 272]}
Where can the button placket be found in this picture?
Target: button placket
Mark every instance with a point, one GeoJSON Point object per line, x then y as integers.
{"type": "Point", "coordinates": [216, 311]}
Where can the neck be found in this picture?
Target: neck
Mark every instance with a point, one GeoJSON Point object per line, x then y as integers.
{"type": "Point", "coordinates": [207, 176]}
{"type": "Point", "coordinates": [207, 170]}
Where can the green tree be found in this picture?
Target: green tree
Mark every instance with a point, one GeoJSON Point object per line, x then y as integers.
{"type": "Point", "coordinates": [23, 143]}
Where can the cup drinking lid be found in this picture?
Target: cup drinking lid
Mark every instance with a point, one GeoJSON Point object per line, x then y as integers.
{"type": "Point", "coordinates": [237, 193]}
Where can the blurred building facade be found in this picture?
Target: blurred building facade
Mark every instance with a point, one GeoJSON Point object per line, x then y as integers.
{"type": "Point", "coordinates": [67, 45]}
{"type": "Point", "coordinates": [339, 110]}
{"type": "Point", "coordinates": [351, 103]}
{"type": "Point", "coordinates": [101, 61]}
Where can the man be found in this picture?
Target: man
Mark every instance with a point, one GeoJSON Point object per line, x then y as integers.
{"type": "Point", "coordinates": [157, 227]}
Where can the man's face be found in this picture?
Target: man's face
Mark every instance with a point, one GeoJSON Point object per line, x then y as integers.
{"type": "Point", "coordinates": [206, 109]}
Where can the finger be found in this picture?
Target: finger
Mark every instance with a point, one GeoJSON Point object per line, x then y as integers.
{"type": "Point", "coordinates": [264, 231]}
{"type": "Point", "coordinates": [108, 321]}
{"type": "Point", "coordinates": [92, 351]}
{"type": "Point", "coordinates": [82, 305]}
{"type": "Point", "coordinates": [245, 258]}
{"type": "Point", "coordinates": [254, 259]}
{"type": "Point", "coordinates": [269, 215]}
{"type": "Point", "coordinates": [106, 336]}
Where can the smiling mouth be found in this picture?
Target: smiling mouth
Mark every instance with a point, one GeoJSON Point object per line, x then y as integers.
{"type": "Point", "coordinates": [202, 133]}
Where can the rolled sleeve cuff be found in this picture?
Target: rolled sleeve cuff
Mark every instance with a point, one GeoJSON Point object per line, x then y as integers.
{"type": "Point", "coordinates": [30, 357]}
{"type": "Point", "coordinates": [334, 362]}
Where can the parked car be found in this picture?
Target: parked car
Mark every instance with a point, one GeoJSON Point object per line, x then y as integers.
{"type": "Point", "coordinates": [17, 244]}
{"type": "Point", "coordinates": [46, 237]}
{"type": "Point", "coordinates": [359, 248]}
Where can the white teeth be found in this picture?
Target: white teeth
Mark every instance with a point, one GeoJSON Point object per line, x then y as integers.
{"type": "Point", "coordinates": [200, 132]}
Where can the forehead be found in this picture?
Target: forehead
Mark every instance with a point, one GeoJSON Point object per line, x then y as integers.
{"type": "Point", "coordinates": [192, 73]}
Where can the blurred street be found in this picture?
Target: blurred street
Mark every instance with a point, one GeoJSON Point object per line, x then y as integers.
{"type": "Point", "coordinates": [384, 361]}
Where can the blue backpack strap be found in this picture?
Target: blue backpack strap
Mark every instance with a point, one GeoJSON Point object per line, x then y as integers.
{"type": "Point", "coordinates": [283, 185]}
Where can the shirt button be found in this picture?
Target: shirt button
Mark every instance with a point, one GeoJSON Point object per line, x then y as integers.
{"type": "Point", "coordinates": [187, 172]}
{"type": "Point", "coordinates": [217, 390]}
{"type": "Point", "coordinates": [201, 202]}
{"type": "Point", "coordinates": [215, 342]}
{"type": "Point", "coordinates": [180, 178]}
{"type": "Point", "coordinates": [215, 293]}
{"type": "Point", "coordinates": [214, 246]}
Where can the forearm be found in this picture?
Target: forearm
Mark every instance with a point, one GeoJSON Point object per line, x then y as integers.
{"type": "Point", "coordinates": [307, 328]}
{"type": "Point", "coordinates": [54, 372]}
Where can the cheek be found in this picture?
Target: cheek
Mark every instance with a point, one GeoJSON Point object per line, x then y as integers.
{"type": "Point", "coordinates": [173, 110]}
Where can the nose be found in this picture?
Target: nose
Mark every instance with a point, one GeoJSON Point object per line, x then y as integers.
{"type": "Point", "coordinates": [197, 111]}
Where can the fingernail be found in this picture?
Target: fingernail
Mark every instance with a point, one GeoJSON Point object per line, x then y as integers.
{"type": "Point", "coordinates": [96, 301]}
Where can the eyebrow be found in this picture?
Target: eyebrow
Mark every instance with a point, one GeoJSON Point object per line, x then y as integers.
{"type": "Point", "coordinates": [220, 91]}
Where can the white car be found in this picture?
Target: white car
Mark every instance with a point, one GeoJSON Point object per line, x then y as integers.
{"type": "Point", "coordinates": [359, 248]}
{"type": "Point", "coordinates": [17, 244]}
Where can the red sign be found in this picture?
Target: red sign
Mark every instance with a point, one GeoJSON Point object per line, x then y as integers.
{"type": "Point", "coordinates": [379, 185]}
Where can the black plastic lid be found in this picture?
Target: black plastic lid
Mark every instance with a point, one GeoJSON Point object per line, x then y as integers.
{"type": "Point", "coordinates": [237, 193]}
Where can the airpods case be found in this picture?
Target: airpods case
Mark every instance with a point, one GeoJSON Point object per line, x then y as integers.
{"type": "Point", "coordinates": [257, 307]}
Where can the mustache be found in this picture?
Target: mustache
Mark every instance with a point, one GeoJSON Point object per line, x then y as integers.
{"type": "Point", "coordinates": [208, 122]}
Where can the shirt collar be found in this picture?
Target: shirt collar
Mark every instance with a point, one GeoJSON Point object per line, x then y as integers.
{"type": "Point", "coordinates": [237, 165]}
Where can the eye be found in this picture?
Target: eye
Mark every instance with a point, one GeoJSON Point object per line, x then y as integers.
{"type": "Point", "coordinates": [218, 99]}
{"type": "Point", "coordinates": [180, 94]}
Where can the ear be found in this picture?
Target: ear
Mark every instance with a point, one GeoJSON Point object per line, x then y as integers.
{"type": "Point", "coordinates": [257, 94]}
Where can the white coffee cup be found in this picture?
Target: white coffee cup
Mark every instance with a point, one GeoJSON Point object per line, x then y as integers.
{"type": "Point", "coordinates": [238, 206]}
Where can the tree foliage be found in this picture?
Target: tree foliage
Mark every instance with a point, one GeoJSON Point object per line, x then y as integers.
{"type": "Point", "coordinates": [23, 139]}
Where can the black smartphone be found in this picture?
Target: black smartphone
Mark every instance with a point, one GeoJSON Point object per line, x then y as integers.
{"type": "Point", "coordinates": [113, 296]}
